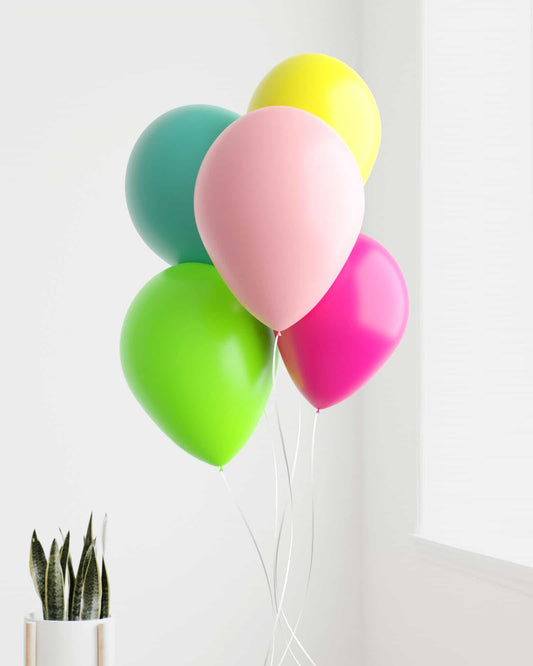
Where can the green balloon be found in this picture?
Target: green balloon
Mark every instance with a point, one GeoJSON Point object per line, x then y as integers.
{"type": "Point", "coordinates": [197, 361]}
{"type": "Point", "coordinates": [161, 176]}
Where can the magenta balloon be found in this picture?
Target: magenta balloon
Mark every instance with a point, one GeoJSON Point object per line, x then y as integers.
{"type": "Point", "coordinates": [349, 335]}
{"type": "Point", "coordinates": [279, 203]}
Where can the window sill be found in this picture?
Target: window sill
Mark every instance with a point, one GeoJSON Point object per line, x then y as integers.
{"type": "Point", "coordinates": [508, 574]}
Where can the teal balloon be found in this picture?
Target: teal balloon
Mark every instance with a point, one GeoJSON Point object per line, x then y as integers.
{"type": "Point", "coordinates": [161, 176]}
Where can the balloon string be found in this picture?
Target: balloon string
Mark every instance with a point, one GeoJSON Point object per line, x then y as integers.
{"type": "Point", "coordinates": [272, 648]}
{"type": "Point", "coordinates": [290, 476]}
{"type": "Point", "coordinates": [276, 489]}
{"type": "Point", "coordinates": [286, 619]}
{"type": "Point", "coordinates": [273, 599]}
{"type": "Point", "coordinates": [252, 536]}
{"type": "Point", "coordinates": [297, 449]}
{"type": "Point", "coordinates": [312, 551]}
{"type": "Point", "coordinates": [279, 533]}
{"type": "Point", "coordinates": [291, 507]}
{"type": "Point", "coordinates": [278, 335]}
{"type": "Point", "coordinates": [284, 616]}
{"type": "Point", "coordinates": [263, 566]}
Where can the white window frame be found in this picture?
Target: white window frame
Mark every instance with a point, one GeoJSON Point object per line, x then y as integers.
{"type": "Point", "coordinates": [505, 571]}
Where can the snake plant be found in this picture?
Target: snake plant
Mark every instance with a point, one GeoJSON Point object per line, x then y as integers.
{"type": "Point", "coordinates": [67, 594]}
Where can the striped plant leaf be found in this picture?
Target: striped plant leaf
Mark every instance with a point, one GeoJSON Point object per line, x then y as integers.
{"type": "Point", "coordinates": [75, 611]}
{"type": "Point", "coordinates": [89, 536]}
{"type": "Point", "coordinates": [92, 547]}
{"type": "Point", "coordinates": [71, 582]}
{"type": "Point", "coordinates": [54, 586]}
{"type": "Point", "coordinates": [104, 610]}
{"type": "Point", "coordinates": [92, 589]}
{"type": "Point", "coordinates": [38, 568]}
{"type": "Point", "coordinates": [88, 591]}
{"type": "Point", "coordinates": [64, 555]}
{"type": "Point", "coordinates": [75, 592]}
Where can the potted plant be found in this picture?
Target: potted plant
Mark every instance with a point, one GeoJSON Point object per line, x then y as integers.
{"type": "Point", "coordinates": [75, 627]}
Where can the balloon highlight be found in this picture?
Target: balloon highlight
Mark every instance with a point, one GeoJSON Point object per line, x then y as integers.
{"type": "Point", "coordinates": [332, 91]}
{"type": "Point", "coordinates": [197, 361]}
{"type": "Point", "coordinates": [161, 175]}
{"type": "Point", "coordinates": [279, 203]}
{"type": "Point", "coordinates": [354, 329]}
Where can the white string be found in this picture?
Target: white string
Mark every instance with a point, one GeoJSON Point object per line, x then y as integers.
{"type": "Point", "coordinates": [284, 616]}
{"type": "Point", "coordinates": [276, 558]}
{"type": "Point", "coordinates": [276, 485]}
{"type": "Point", "coordinates": [297, 449]}
{"type": "Point", "coordinates": [311, 557]}
{"type": "Point", "coordinates": [250, 532]}
{"type": "Point", "coordinates": [290, 480]}
{"type": "Point", "coordinates": [291, 538]}
{"type": "Point", "coordinates": [297, 641]}
{"type": "Point", "coordinates": [292, 630]}
{"type": "Point", "coordinates": [277, 610]}
{"type": "Point", "coordinates": [279, 533]}
{"type": "Point", "coordinates": [276, 501]}
{"type": "Point", "coordinates": [258, 550]}
{"type": "Point", "coordinates": [289, 556]}
{"type": "Point", "coordinates": [275, 577]}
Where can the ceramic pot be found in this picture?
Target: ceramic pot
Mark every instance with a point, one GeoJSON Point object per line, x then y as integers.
{"type": "Point", "coordinates": [83, 643]}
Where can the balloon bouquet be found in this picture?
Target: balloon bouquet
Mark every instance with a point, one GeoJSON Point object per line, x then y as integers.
{"type": "Point", "coordinates": [259, 216]}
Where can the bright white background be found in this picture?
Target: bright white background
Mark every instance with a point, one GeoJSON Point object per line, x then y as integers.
{"type": "Point", "coordinates": [80, 81]}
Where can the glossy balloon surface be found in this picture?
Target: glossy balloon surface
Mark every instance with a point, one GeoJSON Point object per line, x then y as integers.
{"type": "Point", "coordinates": [161, 175]}
{"type": "Point", "coordinates": [334, 92]}
{"type": "Point", "coordinates": [279, 203]}
{"type": "Point", "coordinates": [197, 361]}
{"type": "Point", "coordinates": [354, 329]}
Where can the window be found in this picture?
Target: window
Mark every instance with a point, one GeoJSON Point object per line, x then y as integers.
{"type": "Point", "coordinates": [477, 277]}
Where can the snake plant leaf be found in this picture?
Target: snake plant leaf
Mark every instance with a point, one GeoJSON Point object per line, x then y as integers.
{"type": "Point", "coordinates": [64, 555]}
{"type": "Point", "coordinates": [104, 610]}
{"type": "Point", "coordinates": [92, 547]}
{"type": "Point", "coordinates": [74, 609]}
{"type": "Point", "coordinates": [86, 546]}
{"type": "Point", "coordinates": [88, 591]}
{"type": "Point", "coordinates": [89, 536]}
{"type": "Point", "coordinates": [38, 568]}
{"type": "Point", "coordinates": [92, 589]}
{"type": "Point", "coordinates": [80, 580]}
{"type": "Point", "coordinates": [71, 583]}
{"type": "Point", "coordinates": [54, 586]}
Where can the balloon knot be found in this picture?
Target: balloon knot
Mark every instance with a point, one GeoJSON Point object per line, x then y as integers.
{"type": "Point", "coordinates": [318, 411]}
{"type": "Point", "coordinates": [221, 469]}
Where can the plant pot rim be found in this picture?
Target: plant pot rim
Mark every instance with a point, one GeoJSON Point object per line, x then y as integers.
{"type": "Point", "coordinates": [35, 617]}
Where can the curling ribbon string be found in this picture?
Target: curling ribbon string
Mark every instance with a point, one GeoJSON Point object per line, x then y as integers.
{"type": "Point", "coordinates": [312, 551]}
{"type": "Point", "coordinates": [291, 540]}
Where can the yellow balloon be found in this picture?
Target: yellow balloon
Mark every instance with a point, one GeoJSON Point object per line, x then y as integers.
{"type": "Point", "coordinates": [332, 91]}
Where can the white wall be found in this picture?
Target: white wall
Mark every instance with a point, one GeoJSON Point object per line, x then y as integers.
{"type": "Point", "coordinates": [419, 607]}
{"type": "Point", "coordinates": [80, 81]}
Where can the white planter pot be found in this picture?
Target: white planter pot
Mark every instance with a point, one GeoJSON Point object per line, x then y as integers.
{"type": "Point", "coordinates": [83, 643]}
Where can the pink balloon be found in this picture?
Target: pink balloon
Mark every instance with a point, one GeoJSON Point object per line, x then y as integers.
{"type": "Point", "coordinates": [279, 202]}
{"type": "Point", "coordinates": [349, 335]}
